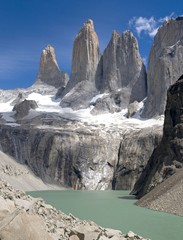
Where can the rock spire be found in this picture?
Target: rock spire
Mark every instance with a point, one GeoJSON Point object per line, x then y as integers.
{"type": "Point", "coordinates": [85, 60]}
{"type": "Point", "coordinates": [165, 65]}
{"type": "Point", "coordinates": [123, 66]}
{"type": "Point", "coordinates": [49, 72]}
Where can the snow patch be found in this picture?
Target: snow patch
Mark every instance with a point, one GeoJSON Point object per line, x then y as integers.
{"type": "Point", "coordinates": [6, 111]}
{"type": "Point", "coordinates": [48, 104]}
{"type": "Point", "coordinates": [94, 99]}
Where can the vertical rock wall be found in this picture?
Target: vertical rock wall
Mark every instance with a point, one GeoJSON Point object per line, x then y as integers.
{"type": "Point", "coordinates": [165, 65]}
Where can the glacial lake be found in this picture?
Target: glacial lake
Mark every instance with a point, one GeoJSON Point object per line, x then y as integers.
{"type": "Point", "coordinates": [115, 209]}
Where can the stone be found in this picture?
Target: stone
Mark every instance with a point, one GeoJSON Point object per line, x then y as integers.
{"type": "Point", "coordinates": [33, 227]}
{"type": "Point", "coordinates": [131, 234]}
{"type": "Point", "coordinates": [21, 203]}
{"type": "Point", "coordinates": [74, 237]}
{"type": "Point", "coordinates": [132, 109]}
{"type": "Point", "coordinates": [111, 102]}
{"type": "Point", "coordinates": [111, 232]}
{"type": "Point", "coordinates": [87, 232]}
{"type": "Point", "coordinates": [85, 59]}
{"type": "Point", "coordinates": [103, 105]}
{"type": "Point", "coordinates": [49, 72]}
{"type": "Point", "coordinates": [103, 238]}
{"type": "Point", "coordinates": [6, 204]}
{"type": "Point", "coordinates": [22, 109]}
{"type": "Point", "coordinates": [18, 99]}
{"type": "Point", "coordinates": [165, 65]}
{"type": "Point", "coordinates": [117, 238]}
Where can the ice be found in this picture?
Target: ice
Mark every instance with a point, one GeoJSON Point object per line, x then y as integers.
{"type": "Point", "coordinates": [44, 100]}
{"type": "Point", "coordinates": [172, 46]}
{"type": "Point", "coordinates": [48, 104]}
{"type": "Point", "coordinates": [6, 111]}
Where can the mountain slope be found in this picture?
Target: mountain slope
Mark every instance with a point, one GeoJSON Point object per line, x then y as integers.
{"type": "Point", "coordinates": [20, 176]}
{"type": "Point", "coordinates": [166, 197]}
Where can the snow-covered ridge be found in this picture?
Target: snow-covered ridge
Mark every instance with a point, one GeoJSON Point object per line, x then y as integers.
{"type": "Point", "coordinates": [48, 104]}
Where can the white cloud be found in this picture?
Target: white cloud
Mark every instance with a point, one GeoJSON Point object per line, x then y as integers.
{"type": "Point", "coordinates": [166, 17]}
{"type": "Point", "coordinates": [148, 26]}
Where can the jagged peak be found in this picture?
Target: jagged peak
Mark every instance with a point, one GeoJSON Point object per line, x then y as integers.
{"type": "Point", "coordinates": [128, 33]}
{"type": "Point", "coordinates": [88, 25]}
{"type": "Point", "coordinates": [49, 49]}
{"type": "Point", "coordinates": [87, 31]}
{"type": "Point", "coordinates": [115, 33]}
{"type": "Point", "coordinates": [89, 22]}
{"type": "Point", "coordinates": [48, 53]}
{"type": "Point", "coordinates": [125, 34]}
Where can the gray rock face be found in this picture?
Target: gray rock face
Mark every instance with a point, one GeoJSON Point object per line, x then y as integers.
{"type": "Point", "coordinates": [167, 157]}
{"type": "Point", "coordinates": [18, 99]}
{"type": "Point", "coordinates": [85, 59]}
{"type": "Point", "coordinates": [49, 72]}
{"type": "Point", "coordinates": [22, 109]}
{"type": "Point", "coordinates": [123, 66]}
{"type": "Point", "coordinates": [123, 74]}
{"type": "Point", "coordinates": [165, 65]}
{"type": "Point", "coordinates": [79, 156]}
{"type": "Point", "coordinates": [135, 149]}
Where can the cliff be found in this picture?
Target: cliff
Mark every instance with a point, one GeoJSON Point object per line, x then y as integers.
{"type": "Point", "coordinates": [167, 157]}
{"type": "Point", "coordinates": [164, 66]}
{"type": "Point", "coordinates": [77, 155]}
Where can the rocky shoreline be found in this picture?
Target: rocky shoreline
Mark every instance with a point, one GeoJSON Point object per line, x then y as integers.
{"type": "Point", "coordinates": [41, 221]}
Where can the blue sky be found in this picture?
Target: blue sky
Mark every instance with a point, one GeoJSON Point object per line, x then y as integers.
{"type": "Point", "coordinates": [27, 26]}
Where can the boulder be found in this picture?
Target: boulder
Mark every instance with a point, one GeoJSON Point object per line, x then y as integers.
{"type": "Point", "coordinates": [111, 102]}
{"type": "Point", "coordinates": [18, 99]}
{"type": "Point", "coordinates": [132, 109]}
{"type": "Point", "coordinates": [19, 225]}
{"type": "Point", "coordinates": [87, 232]}
{"type": "Point", "coordinates": [22, 109]}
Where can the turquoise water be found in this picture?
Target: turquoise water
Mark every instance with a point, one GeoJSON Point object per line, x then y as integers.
{"type": "Point", "coordinates": [115, 209]}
